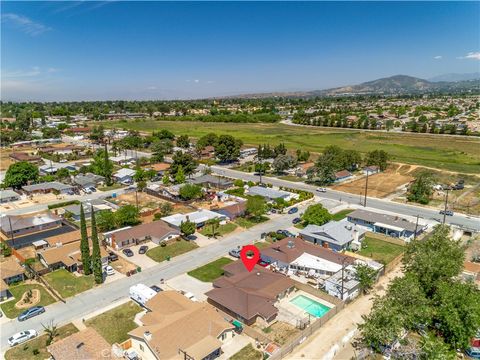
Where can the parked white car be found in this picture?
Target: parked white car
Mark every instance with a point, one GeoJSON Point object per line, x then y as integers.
{"type": "Point", "coordinates": [21, 337]}
{"type": "Point", "coordinates": [109, 270]}
{"type": "Point", "coordinates": [322, 190]}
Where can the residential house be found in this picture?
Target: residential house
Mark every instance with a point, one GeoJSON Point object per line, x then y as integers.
{"type": "Point", "coordinates": [88, 180]}
{"type": "Point", "coordinates": [67, 256]}
{"type": "Point", "coordinates": [87, 344]}
{"type": "Point", "coordinates": [97, 204]}
{"type": "Point", "coordinates": [122, 160]}
{"type": "Point", "coordinates": [156, 231]}
{"type": "Point", "coordinates": [301, 170]}
{"type": "Point", "coordinates": [207, 152]}
{"type": "Point", "coordinates": [11, 272]}
{"type": "Point", "coordinates": [124, 175]}
{"type": "Point", "coordinates": [199, 217]}
{"type": "Point", "coordinates": [21, 156]}
{"type": "Point", "coordinates": [370, 170]}
{"type": "Point", "coordinates": [295, 254]}
{"type": "Point", "coordinates": [50, 169]}
{"type": "Point", "coordinates": [48, 187]}
{"type": "Point", "coordinates": [343, 282]}
{"type": "Point", "coordinates": [66, 238]}
{"type": "Point", "coordinates": [390, 225]}
{"type": "Point", "coordinates": [60, 150]}
{"type": "Point", "coordinates": [27, 224]}
{"type": "Point", "coordinates": [336, 235]}
{"type": "Point", "coordinates": [248, 152]}
{"type": "Point", "coordinates": [175, 326]}
{"type": "Point", "coordinates": [8, 195]}
{"type": "Point", "coordinates": [250, 296]}
{"type": "Point", "coordinates": [210, 181]}
{"type": "Point", "coordinates": [160, 168]}
{"type": "Point", "coordinates": [234, 210]}
{"type": "Point", "coordinates": [271, 194]}
{"type": "Point", "coordinates": [342, 175]}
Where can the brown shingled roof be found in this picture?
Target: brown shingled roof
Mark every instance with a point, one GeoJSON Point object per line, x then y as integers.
{"type": "Point", "coordinates": [68, 254]}
{"type": "Point", "coordinates": [156, 229]}
{"type": "Point", "coordinates": [250, 293]}
{"type": "Point", "coordinates": [10, 267]}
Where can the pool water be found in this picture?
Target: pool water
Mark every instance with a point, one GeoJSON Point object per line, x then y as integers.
{"type": "Point", "coordinates": [310, 306]}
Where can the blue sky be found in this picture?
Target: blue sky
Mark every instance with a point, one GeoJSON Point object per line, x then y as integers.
{"type": "Point", "coordinates": [164, 50]}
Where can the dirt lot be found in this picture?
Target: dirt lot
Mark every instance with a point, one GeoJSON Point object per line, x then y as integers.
{"type": "Point", "coordinates": [122, 265]}
{"type": "Point", "coordinates": [5, 160]}
{"type": "Point", "coordinates": [383, 184]}
{"type": "Point", "coordinates": [280, 332]}
{"type": "Point", "coordinates": [146, 201]}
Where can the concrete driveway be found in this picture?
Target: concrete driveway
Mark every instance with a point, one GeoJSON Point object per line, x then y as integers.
{"type": "Point", "coordinates": [141, 260]}
{"type": "Point", "coordinates": [189, 284]}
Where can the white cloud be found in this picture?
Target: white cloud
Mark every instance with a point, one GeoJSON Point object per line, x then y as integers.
{"type": "Point", "coordinates": [438, 57]}
{"type": "Point", "coordinates": [25, 24]}
{"type": "Point", "coordinates": [196, 81]}
{"type": "Point", "coordinates": [152, 88]}
{"type": "Point", "coordinates": [471, 55]}
{"type": "Point", "coordinates": [34, 71]}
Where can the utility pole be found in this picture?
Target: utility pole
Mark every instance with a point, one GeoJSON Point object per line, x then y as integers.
{"type": "Point", "coordinates": [136, 196]}
{"type": "Point", "coordinates": [445, 209]}
{"type": "Point", "coordinates": [416, 225]}
{"type": "Point", "coordinates": [366, 189]}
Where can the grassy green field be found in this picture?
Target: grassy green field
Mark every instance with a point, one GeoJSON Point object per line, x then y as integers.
{"type": "Point", "coordinates": [380, 250]}
{"type": "Point", "coordinates": [67, 284]}
{"type": "Point", "coordinates": [341, 215]}
{"type": "Point", "coordinates": [249, 222]}
{"type": "Point", "coordinates": [450, 153]}
{"type": "Point", "coordinates": [115, 324]}
{"type": "Point", "coordinates": [221, 230]}
{"type": "Point", "coordinates": [247, 353]}
{"type": "Point", "coordinates": [17, 291]}
{"type": "Point", "coordinates": [210, 271]}
{"type": "Point", "coordinates": [160, 253]}
{"type": "Point", "coordinates": [25, 351]}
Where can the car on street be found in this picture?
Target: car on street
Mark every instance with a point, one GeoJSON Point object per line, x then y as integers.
{"type": "Point", "coordinates": [109, 270]}
{"type": "Point", "coordinates": [143, 249]}
{"type": "Point", "coordinates": [33, 311]}
{"type": "Point", "coordinates": [112, 256]}
{"type": "Point", "coordinates": [320, 189]}
{"type": "Point", "coordinates": [21, 337]}
{"type": "Point", "coordinates": [235, 253]}
{"type": "Point", "coordinates": [296, 220]}
{"type": "Point", "coordinates": [448, 212]}
{"type": "Point", "coordinates": [128, 252]}
{"type": "Point", "coordinates": [155, 288]}
{"type": "Point", "coordinates": [293, 210]}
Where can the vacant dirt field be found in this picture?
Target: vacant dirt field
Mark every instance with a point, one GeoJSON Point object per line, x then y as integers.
{"type": "Point", "coordinates": [146, 201]}
{"type": "Point", "coordinates": [380, 185]}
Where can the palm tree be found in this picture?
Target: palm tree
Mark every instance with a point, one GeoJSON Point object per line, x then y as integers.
{"type": "Point", "coordinates": [214, 226]}
{"type": "Point", "coordinates": [51, 330]}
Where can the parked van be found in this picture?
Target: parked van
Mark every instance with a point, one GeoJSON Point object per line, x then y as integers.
{"type": "Point", "coordinates": [141, 293]}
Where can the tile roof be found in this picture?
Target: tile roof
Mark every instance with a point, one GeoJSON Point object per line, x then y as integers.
{"type": "Point", "coordinates": [249, 294]}
{"type": "Point", "coordinates": [176, 322]}
{"type": "Point", "coordinates": [87, 344]}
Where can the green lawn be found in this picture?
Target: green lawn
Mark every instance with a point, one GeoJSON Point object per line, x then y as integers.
{"type": "Point", "coordinates": [380, 250]}
{"type": "Point", "coordinates": [341, 214]}
{"type": "Point", "coordinates": [221, 230]}
{"type": "Point", "coordinates": [456, 154]}
{"type": "Point", "coordinates": [247, 353]}
{"type": "Point", "coordinates": [173, 249]}
{"type": "Point", "coordinates": [17, 291]}
{"type": "Point", "coordinates": [25, 351]}
{"type": "Point", "coordinates": [67, 284]}
{"type": "Point", "coordinates": [290, 178]}
{"type": "Point", "coordinates": [249, 222]}
{"type": "Point", "coordinates": [210, 271]}
{"type": "Point", "coordinates": [114, 186]}
{"type": "Point", "coordinates": [115, 324]}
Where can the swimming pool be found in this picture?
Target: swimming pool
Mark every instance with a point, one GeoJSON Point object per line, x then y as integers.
{"type": "Point", "coordinates": [310, 306]}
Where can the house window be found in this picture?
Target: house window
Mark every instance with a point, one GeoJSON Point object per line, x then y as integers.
{"type": "Point", "coordinates": [141, 347]}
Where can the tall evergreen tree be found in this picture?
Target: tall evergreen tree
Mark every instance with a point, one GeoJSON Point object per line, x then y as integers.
{"type": "Point", "coordinates": [107, 168]}
{"type": "Point", "coordinates": [96, 257]}
{"type": "Point", "coordinates": [84, 247]}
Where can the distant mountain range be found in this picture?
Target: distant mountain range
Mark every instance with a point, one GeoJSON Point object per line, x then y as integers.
{"type": "Point", "coordinates": [455, 77]}
{"type": "Point", "coordinates": [394, 85]}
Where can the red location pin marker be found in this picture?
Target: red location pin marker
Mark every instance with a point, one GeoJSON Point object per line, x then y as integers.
{"type": "Point", "coordinates": [250, 260]}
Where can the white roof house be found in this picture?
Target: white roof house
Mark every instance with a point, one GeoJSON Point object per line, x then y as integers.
{"type": "Point", "coordinates": [271, 194]}
{"type": "Point", "coordinates": [199, 217]}
{"type": "Point", "coordinates": [311, 262]}
{"type": "Point", "coordinates": [124, 172]}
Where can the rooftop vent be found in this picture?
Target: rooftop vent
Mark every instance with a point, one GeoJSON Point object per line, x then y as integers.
{"type": "Point", "coordinates": [80, 345]}
{"type": "Point", "coordinates": [147, 335]}
{"type": "Point", "coordinates": [290, 244]}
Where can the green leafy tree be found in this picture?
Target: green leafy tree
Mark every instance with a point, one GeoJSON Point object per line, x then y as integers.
{"type": "Point", "coordinates": [105, 220]}
{"type": "Point", "coordinates": [84, 245]}
{"type": "Point", "coordinates": [19, 174]}
{"type": "Point", "coordinates": [214, 225]}
{"type": "Point", "coordinates": [366, 277]}
{"type": "Point", "coordinates": [159, 148]}
{"type": "Point", "coordinates": [227, 148]}
{"type": "Point", "coordinates": [379, 158]}
{"type": "Point", "coordinates": [255, 206]}
{"type": "Point", "coordinates": [102, 166]}
{"type": "Point", "coordinates": [284, 162]}
{"type": "Point", "coordinates": [434, 348]}
{"type": "Point", "coordinates": [190, 192]}
{"type": "Point", "coordinates": [127, 215]}
{"type": "Point", "coordinates": [316, 215]}
{"type": "Point", "coordinates": [280, 149]}
{"type": "Point", "coordinates": [62, 173]}
{"type": "Point", "coordinates": [186, 161]}
{"type": "Point", "coordinates": [183, 141]}
{"type": "Point", "coordinates": [323, 172]}
{"type": "Point", "coordinates": [187, 228]}
{"type": "Point", "coordinates": [180, 175]}
{"type": "Point", "coordinates": [165, 209]}
{"type": "Point", "coordinates": [96, 256]}
{"type": "Point", "coordinates": [421, 189]}
{"type": "Point", "coordinates": [166, 179]}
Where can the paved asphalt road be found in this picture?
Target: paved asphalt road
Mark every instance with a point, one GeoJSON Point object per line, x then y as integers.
{"type": "Point", "coordinates": [89, 301]}
{"type": "Point", "coordinates": [426, 213]}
